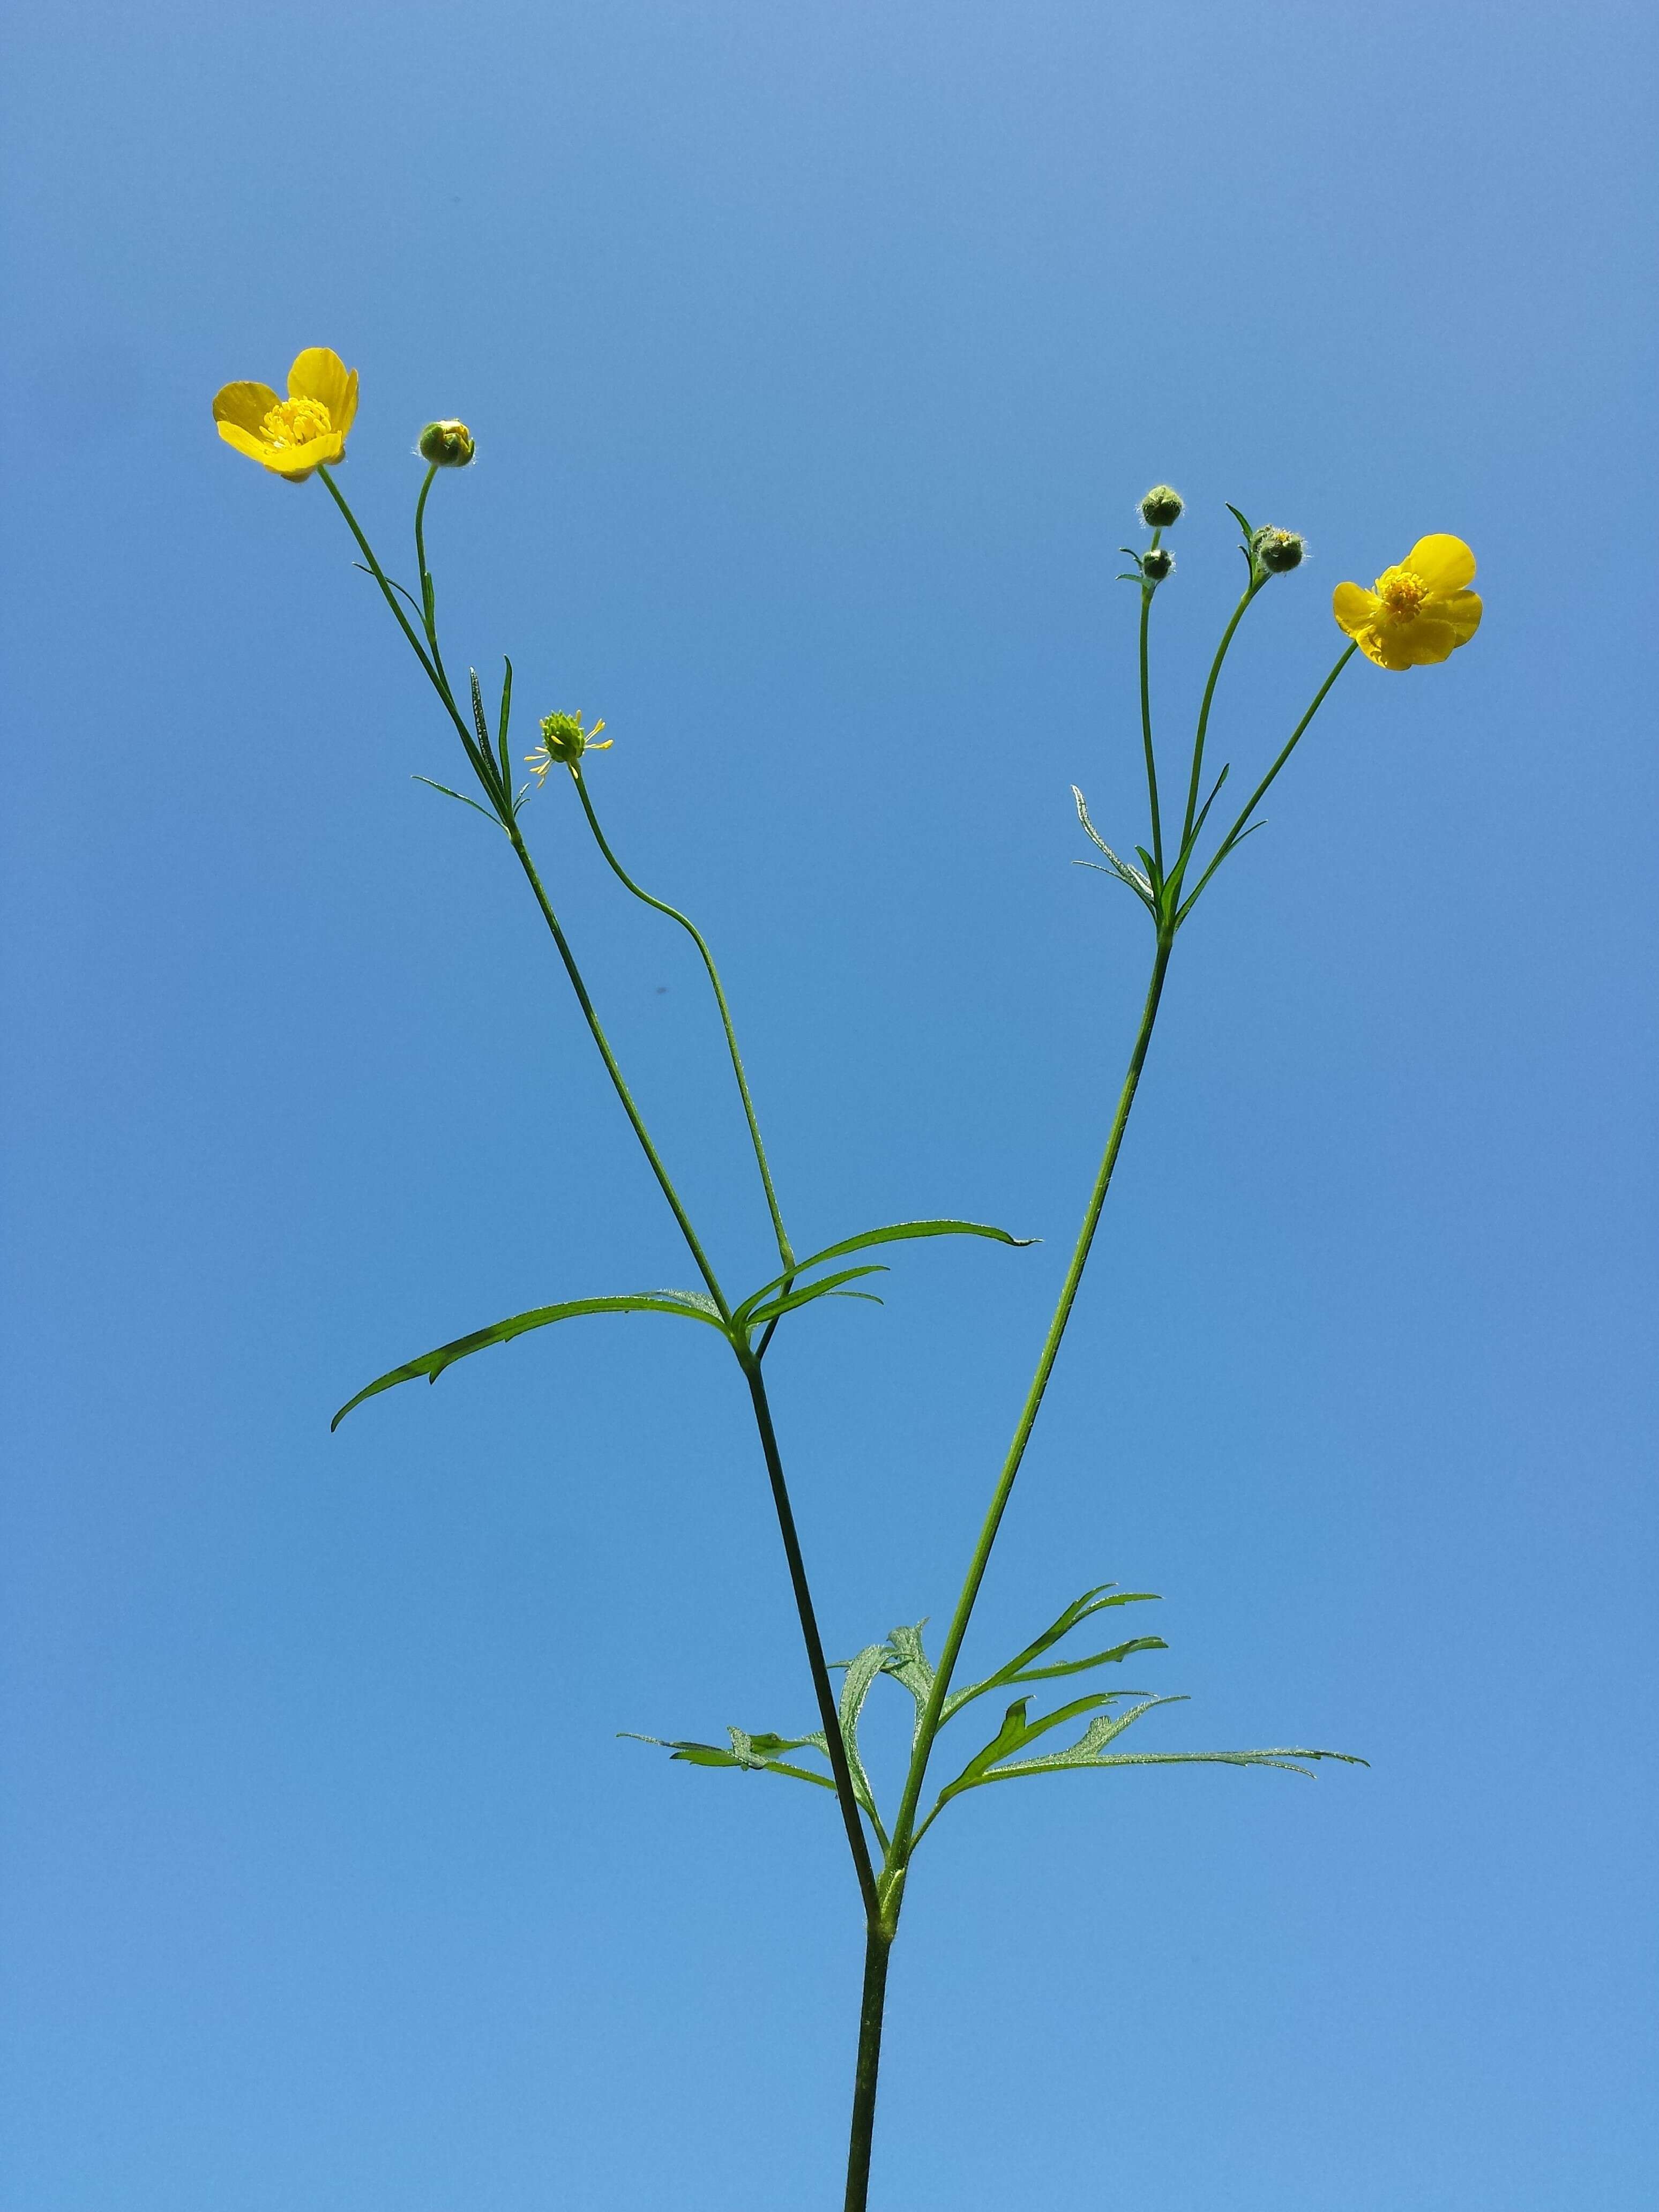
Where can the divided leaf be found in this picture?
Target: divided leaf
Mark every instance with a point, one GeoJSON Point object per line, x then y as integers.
{"type": "Point", "coordinates": [756, 1754]}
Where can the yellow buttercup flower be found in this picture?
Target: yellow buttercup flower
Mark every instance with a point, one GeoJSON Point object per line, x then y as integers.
{"type": "Point", "coordinates": [292, 436]}
{"type": "Point", "coordinates": [1419, 612]}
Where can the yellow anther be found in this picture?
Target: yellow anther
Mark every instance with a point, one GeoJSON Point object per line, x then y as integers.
{"type": "Point", "coordinates": [296, 423]}
{"type": "Point", "coordinates": [1401, 591]}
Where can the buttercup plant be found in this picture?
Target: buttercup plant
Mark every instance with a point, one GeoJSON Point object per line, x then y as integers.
{"type": "Point", "coordinates": [1419, 612]}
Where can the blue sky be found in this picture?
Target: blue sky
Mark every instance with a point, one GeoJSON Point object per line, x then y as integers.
{"type": "Point", "coordinates": [817, 358]}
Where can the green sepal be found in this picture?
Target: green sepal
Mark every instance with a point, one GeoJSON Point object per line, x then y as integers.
{"type": "Point", "coordinates": [688, 1304]}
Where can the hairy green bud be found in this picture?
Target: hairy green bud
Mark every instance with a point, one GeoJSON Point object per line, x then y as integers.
{"type": "Point", "coordinates": [445, 445]}
{"type": "Point", "coordinates": [1157, 563]}
{"type": "Point", "coordinates": [1162, 506]}
{"type": "Point", "coordinates": [1278, 552]}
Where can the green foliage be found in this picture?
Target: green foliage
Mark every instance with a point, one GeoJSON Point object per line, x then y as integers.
{"type": "Point", "coordinates": [903, 1656]}
{"type": "Point", "coordinates": [690, 1305]}
{"type": "Point", "coordinates": [762, 1310]}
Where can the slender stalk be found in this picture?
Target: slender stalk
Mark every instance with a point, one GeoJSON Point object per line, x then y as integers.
{"type": "Point", "coordinates": [833, 1742]}
{"type": "Point", "coordinates": [1251, 591]}
{"type": "Point", "coordinates": [877, 1948]}
{"type": "Point", "coordinates": [635, 1121]}
{"type": "Point", "coordinates": [429, 611]}
{"type": "Point", "coordinates": [904, 1825]}
{"type": "Point", "coordinates": [1147, 591]}
{"type": "Point", "coordinates": [696, 936]}
{"type": "Point", "coordinates": [1259, 792]}
{"type": "Point", "coordinates": [499, 797]}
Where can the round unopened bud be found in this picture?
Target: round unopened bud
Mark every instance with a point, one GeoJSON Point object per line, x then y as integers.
{"type": "Point", "coordinates": [445, 445]}
{"type": "Point", "coordinates": [1162, 506]}
{"type": "Point", "coordinates": [1278, 550]}
{"type": "Point", "coordinates": [1157, 563]}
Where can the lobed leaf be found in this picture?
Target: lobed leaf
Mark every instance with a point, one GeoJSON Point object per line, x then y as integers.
{"type": "Point", "coordinates": [755, 1754]}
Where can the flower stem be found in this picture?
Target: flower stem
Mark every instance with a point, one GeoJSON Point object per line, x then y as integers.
{"type": "Point", "coordinates": [903, 1827]}
{"type": "Point", "coordinates": [1251, 591]}
{"type": "Point", "coordinates": [1256, 797]}
{"type": "Point", "coordinates": [1147, 594]}
{"type": "Point", "coordinates": [696, 936]}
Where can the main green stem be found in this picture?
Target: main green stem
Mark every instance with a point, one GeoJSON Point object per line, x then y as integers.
{"type": "Point", "coordinates": [878, 1949]}
{"type": "Point", "coordinates": [883, 1928]}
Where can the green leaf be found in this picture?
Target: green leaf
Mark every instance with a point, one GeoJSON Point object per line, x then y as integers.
{"type": "Point", "coordinates": [433, 1364]}
{"type": "Point", "coordinates": [861, 1672]}
{"type": "Point", "coordinates": [461, 795]}
{"type": "Point", "coordinates": [752, 1316]}
{"type": "Point", "coordinates": [895, 1232]}
{"type": "Point", "coordinates": [999, 1760]}
{"type": "Point", "coordinates": [910, 1665]}
{"type": "Point", "coordinates": [755, 1754]}
{"type": "Point", "coordinates": [506, 715]}
{"type": "Point", "coordinates": [1139, 883]}
{"type": "Point", "coordinates": [1019, 1669]}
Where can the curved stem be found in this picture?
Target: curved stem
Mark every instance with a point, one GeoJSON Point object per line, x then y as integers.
{"type": "Point", "coordinates": [1259, 792]}
{"type": "Point", "coordinates": [834, 1743]}
{"type": "Point", "coordinates": [904, 1825]}
{"type": "Point", "coordinates": [1251, 591]}
{"type": "Point", "coordinates": [615, 1072]}
{"type": "Point", "coordinates": [696, 936]}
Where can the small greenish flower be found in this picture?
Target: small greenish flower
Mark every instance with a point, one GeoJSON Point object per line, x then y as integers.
{"type": "Point", "coordinates": [1162, 506]}
{"type": "Point", "coordinates": [563, 742]}
{"type": "Point", "coordinates": [447, 445]}
{"type": "Point", "coordinates": [1278, 552]}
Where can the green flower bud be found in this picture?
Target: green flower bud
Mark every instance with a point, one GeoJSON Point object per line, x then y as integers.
{"type": "Point", "coordinates": [445, 445]}
{"type": "Point", "coordinates": [564, 741]}
{"type": "Point", "coordinates": [1157, 563]}
{"type": "Point", "coordinates": [1162, 506]}
{"type": "Point", "coordinates": [1278, 552]}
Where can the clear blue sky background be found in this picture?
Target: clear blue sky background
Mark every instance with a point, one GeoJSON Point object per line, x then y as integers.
{"type": "Point", "coordinates": [816, 357]}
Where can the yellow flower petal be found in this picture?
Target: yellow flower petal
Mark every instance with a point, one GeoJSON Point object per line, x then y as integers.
{"type": "Point", "coordinates": [246, 404]}
{"type": "Point", "coordinates": [1445, 564]}
{"type": "Point", "coordinates": [1385, 647]}
{"type": "Point", "coordinates": [245, 442]}
{"type": "Point", "coordinates": [1353, 607]}
{"type": "Point", "coordinates": [1463, 612]}
{"type": "Point", "coordinates": [1428, 641]}
{"type": "Point", "coordinates": [297, 462]}
{"type": "Point", "coordinates": [319, 373]}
